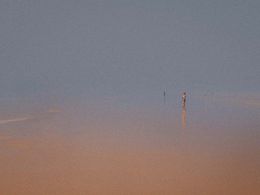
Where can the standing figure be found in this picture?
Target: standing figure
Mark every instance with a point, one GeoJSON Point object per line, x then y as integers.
{"type": "Point", "coordinates": [184, 100]}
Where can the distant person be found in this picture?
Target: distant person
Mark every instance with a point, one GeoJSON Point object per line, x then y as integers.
{"type": "Point", "coordinates": [184, 97]}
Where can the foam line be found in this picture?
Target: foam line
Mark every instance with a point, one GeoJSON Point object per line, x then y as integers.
{"type": "Point", "coordinates": [14, 120]}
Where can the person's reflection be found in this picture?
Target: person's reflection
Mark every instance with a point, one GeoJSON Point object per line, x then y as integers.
{"type": "Point", "coordinates": [184, 117]}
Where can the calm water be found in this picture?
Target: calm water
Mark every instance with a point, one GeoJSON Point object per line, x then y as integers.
{"type": "Point", "coordinates": [117, 147]}
{"type": "Point", "coordinates": [81, 97]}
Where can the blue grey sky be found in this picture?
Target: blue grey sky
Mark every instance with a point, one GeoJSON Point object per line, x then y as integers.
{"type": "Point", "coordinates": [128, 47]}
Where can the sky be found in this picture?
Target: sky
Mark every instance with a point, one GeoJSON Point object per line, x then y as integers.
{"type": "Point", "coordinates": [110, 48]}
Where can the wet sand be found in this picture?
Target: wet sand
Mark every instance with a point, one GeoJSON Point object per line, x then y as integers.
{"type": "Point", "coordinates": [104, 149]}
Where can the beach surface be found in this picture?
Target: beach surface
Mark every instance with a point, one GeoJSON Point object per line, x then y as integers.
{"type": "Point", "coordinates": [106, 148]}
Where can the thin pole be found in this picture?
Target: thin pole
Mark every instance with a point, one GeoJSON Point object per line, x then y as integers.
{"type": "Point", "coordinates": [164, 96]}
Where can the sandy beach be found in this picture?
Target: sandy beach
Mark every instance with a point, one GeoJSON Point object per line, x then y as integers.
{"type": "Point", "coordinates": [122, 150]}
{"type": "Point", "coordinates": [129, 97]}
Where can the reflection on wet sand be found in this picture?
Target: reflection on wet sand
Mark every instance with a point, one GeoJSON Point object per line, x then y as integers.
{"type": "Point", "coordinates": [4, 137]}
{"type": "Point", "coordinates": [123, 153]}
{"type": "Point", "coordinates": [184, 117]}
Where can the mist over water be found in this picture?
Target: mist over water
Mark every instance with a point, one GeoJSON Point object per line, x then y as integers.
{"type": "Point", "coordinates": [91, 97]}
{"type": "Point", "coordinates": [126, 48]}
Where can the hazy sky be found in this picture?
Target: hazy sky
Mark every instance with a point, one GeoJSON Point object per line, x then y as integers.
{"type": "Point", "coordinates": [128, 47]}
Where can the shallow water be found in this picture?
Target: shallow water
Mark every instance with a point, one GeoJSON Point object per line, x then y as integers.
{"type": "Point", "coordinates": [212, 147]}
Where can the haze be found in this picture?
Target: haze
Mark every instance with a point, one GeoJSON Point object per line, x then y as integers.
{"type": "Point", "coordinates": [91, 97]}
{"type": "Point", "coordinates": [127, 48]}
